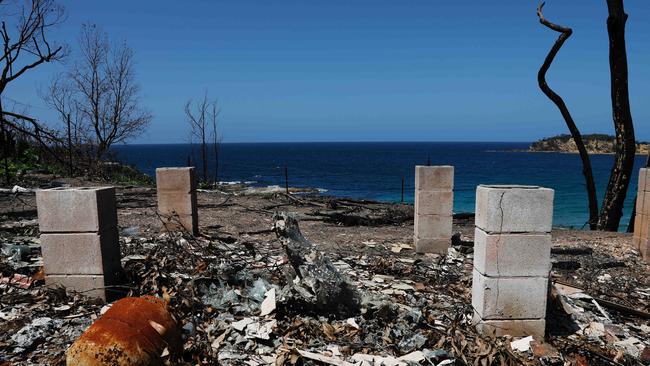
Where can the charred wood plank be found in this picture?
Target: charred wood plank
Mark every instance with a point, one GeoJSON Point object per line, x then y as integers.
{"type": "Point", "coordinates": [572, 251]}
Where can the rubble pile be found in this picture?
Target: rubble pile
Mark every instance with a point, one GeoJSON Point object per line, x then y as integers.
{"type": "Point", "coordinates": [239, 300]}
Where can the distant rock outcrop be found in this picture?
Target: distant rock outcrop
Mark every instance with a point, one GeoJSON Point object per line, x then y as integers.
{"type": "Point", "coordinates": [595, 144]}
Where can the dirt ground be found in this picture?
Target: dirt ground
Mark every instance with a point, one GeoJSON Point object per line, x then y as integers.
{"type": "Point", "coordinates": [604, 265]}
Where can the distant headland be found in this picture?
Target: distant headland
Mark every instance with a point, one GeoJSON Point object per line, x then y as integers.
{"type": "Point", "coordinates": [595, 144]}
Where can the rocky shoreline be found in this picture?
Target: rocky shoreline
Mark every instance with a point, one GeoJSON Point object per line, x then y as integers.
{"type": "Point", "coordinates": [594, 143]}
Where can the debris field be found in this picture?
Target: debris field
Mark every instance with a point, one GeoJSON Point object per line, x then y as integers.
{"type": "Point", "coordinates": [240, 298]}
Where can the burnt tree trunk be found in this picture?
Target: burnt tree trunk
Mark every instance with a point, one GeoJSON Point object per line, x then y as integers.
{"type": "Point", "coordinates": [330, 292]}
{"type": "Point", "coordinates": [565, 33]}
{"type": "Point", "coordinates": [630, 226]}
{"type": "Point", "coordinates": [216, 162]}
{"type": "Point", "coordinates": [70, 168]}
{"type": "Point", "coordinates": [4, 139]}
{"type": "Point", "coordinates": [625, 149]}
{"type": "Point", "coordinates": [204, 156]}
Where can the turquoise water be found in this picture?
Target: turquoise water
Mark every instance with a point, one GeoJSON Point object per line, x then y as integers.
{"type": "Point", "coordinates": [375, 170]}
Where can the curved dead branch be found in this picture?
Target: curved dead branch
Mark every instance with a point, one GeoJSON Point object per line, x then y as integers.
{"type": "Point", "coordinates": [565, 33]}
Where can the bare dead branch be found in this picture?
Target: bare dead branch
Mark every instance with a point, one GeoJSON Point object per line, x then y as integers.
{"type": "Point", "coordinates": [565, 33]}
{"type": "Point", "coordinates": [25, 46]}
{"type": "Point", "coordinates": [37, 132]}
{"type": "Point", "coordinates": [101, 90]}
{"type": "Point", "coordinates": [201, 116]}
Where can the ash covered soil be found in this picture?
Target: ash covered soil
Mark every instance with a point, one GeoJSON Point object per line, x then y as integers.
{"type": "Point", "coordinates": [415, 309]}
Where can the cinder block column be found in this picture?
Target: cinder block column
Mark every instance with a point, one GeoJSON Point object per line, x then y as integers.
{"type": "Point", "coordinates": [642, 218]}
{"type": "Point", "coordinates": [434, 200]}
{"type": "Point", "coordinates": [79, 239]}
{"type": "Point", "coordinates": [176, 190]}
{"type": "Point", "coordinates": [512, 259]}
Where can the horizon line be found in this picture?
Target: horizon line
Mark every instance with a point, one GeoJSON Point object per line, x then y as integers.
{"type": "Point", "coordinates": [325, 142]}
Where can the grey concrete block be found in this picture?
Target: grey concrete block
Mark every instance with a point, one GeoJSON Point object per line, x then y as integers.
{"type": "Point", "coordinates": [641, 226]}
{"type": "Point", "coordinates": [433, 226]}
{"type": "Point", "coordinates": [644, 249]}
{"type": "Point", "coordinates": [434, 177]}
{"type": "Point", "coordinates": [178, 202]}
{"type": "Point", "coordinates": [504, 298]}
{"type": "Point", "coordinates": [81, 253]}
{"type": "Point", "coordinates": [181, 179]}
{"type": "Point", "coordinates": [644, 180]}
{"type": "Point", "coordinates": [645, 204]}
{"type": "Point", "coordinates": [189, 223]}
{"type": "Point", "coordinates": [434, 202]}
{"type": "Point", "coordinates": [84, 209]}
{"type": "Point", "coordinates": [512, 254]}
{"type": "Point", "coordinates": [97, 286]}
{"type": "Point", "coordinates": [639, 203]}
{"type": "Point", "coordinates": [439, 246]}
{"type": "Point", "coordinates": [636, 242]}
{"type": "Point", "coordinates": [508, 208]}
{"type": "Point", "coordinates": [514, 328]}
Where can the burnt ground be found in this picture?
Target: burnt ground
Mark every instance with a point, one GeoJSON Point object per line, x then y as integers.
{"type": "Point", "coordinates": [412, 303]}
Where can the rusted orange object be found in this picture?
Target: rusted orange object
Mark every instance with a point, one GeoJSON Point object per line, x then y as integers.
{"type": "Point", "coordinates": [134, 331]}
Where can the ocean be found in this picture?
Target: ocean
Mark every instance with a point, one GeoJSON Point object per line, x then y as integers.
{"type": "Point", "coordinates": [374, 170]}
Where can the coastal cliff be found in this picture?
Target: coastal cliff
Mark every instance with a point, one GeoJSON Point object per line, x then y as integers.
{"type": "Point", "coordinates": [595, 144]}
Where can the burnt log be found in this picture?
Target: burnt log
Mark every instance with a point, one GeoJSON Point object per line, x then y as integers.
{"type": "Point", "coordinates": [328, 291]}
{"type": "Point", "coordinates": [365, 216]}
{"type": "Point", "coordinates": [572, 250]}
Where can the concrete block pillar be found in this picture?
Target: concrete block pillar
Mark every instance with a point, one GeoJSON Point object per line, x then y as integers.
{"type": "Point", "coordinates": [434, 200]}
{"type": "Point", "coordinates": [176, 191]}
{"type": "Point", "coordinates": [642, 217]}
{"type": "Point", "coordinates": [79, 239]}
{"type": "Point", "coordinates": [512, 259]}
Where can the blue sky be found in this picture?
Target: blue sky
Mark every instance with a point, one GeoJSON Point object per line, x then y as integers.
{"type": "Point", "coordinates": [365, 70]}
